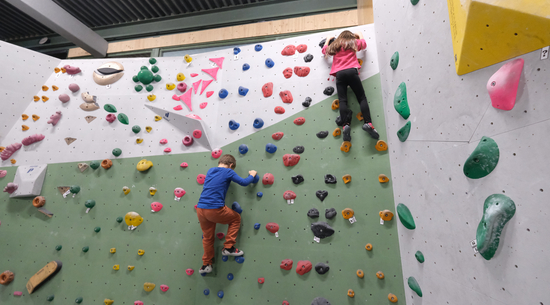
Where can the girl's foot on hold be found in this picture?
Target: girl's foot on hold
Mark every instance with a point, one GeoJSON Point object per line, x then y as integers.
{"type": "Point", "coordinates": [205, 269]}
{"type": "Point", "coordinates": [371, 131]}
{"type": "Point", "coordinates": [347, 133]}
{"type": "Point", "coordinates": [232, 252]}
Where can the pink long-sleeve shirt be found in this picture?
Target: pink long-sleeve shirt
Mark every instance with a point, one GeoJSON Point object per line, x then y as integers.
{"type": "Point", "coordinates": [346, 59]}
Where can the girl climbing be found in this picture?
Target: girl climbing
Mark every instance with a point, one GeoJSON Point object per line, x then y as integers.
{"type": "Point", "coordinates": [345, 68]}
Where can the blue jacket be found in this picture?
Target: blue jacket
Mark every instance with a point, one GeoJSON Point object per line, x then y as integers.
{"type": "Point", "coordinates": [216, 184]}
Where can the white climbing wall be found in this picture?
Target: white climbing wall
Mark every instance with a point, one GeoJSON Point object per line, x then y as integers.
{"type": "Point", "coordinates": [23, 73]}
{"type": "Point", "coordinates": [97, 139]}
{"type": "Point", "coordinates": [449, 115]}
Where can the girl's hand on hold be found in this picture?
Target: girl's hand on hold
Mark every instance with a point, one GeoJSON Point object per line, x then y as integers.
{"type": "Point", "coordinates": [252, 173]}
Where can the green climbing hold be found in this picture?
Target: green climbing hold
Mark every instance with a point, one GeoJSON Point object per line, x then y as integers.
{"type": "Point", "coordinates": [152, 61]}
{"type": "Point", "coordinates": [97, 229]}
{"type": "Point", "coordinates": [394, 61]}
{"type": "Point", "coordinates": [155, 69]}
{"type": "Point", "coordinates": [413, 284]}
{"type": "Point", "coordinates": [119, 219]}
{"type": "Point", "coordinates": [136, 128]}
{"type": "Point", "coordinates": [414, 2]}
{"type": "Point", "coordinates": [123, 118]}
{"type": "Point", "coordinates": [117, 152]}
{"type": "Point", "coordinates": [89, 203]}
{"type": "Point", "coordinates": [149, 88]}
{"type": "Point", "coordinates": [95, 164]}
{"type": "Point", "coordinates": [419, 256]}
{"type": "Point", "coordinates": [403, 133]}
{"type": "Point", "coordinates": [50, 298]}
{"type": "Point", "coordinates": [405, 216]}
{"type": "Point", "coordinates": [135, 78]}
{"type": "Point", "coordinates": [498, 209]}
{"type": "Point", "coordinates": [85, 249]}
{"type": "Point", "coordinates": [138, 88]}
{"type": "Point", "coordinates": [483, 159]}
{"type": "Point", "coordinates": [58, 247]}
{"type": "Point", "coordinates": [110, 108]}
{"type": "Point", "coordinates": [145, 76]}
{"type": "Point", "coordinates": [75, 189]}
{"type": "Point", "coordinates": [157, 78]}
{"type": "Point", "coordinates": [400, 101]}
{"type": "Point", "coordinates": [78, 300]}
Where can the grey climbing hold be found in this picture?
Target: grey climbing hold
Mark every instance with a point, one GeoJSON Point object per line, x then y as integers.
{"type": "Point", "coordinates": [307, 102]}
{"type": "Point", "coordinates": [308, 58]}
{"type": "Point", "coordinates": [403, 132]}
{"type": "Point", "coordinates": [400, 102]}
{"type": "Point", "coordinates": [321, 229]}
{"type": "Point", "coordinates": [394, 61]}
{"type": "Point", "coordinates": [328, 91]}
{"type": "Point", "coordinates": [297, 179]}
{"type": "Point", "coordinates": [320, 301]}
{"type": "Point", "coordinates": [322, 134]}
{"type": "Point", "coordinates": [321, 268]}
{"type": "Point", "coordinates": [330, 213]}
{"type": "Point", "coordinates": [313, 213]}
{"type": "Point", "coordinates": [298, 149]}
{"type": "Point", "coordinates": [330, 179]}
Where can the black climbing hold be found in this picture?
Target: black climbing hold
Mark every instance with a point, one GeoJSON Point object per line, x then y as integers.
{"type": "Point", "coordinates": [320, 301]}
{"type": "Point", "coordinates": [298, 149]}
{"type": "Point", "coordinates": [322, 42]}
{"type": "Point", "coordinates": [330, 213]}
{"type": "Point", "coordinates": [328, 91]}
{"type": "Point", "coordinates": [108, 71]}
{"type": "Point", "coordinates": [321, 194]}
{"type": "Point", "coordinates": [298, 179]}
{"type": "Point", "coordinates": [330, 179]}
{"type": "Point", "coordinates": [339, 121]}
{"type": "Point", "coordinates": [322, 134]}
{"type": "Point", "coordinates": [308, 58]}
{"type": "Point", "coordinates": [313, 213]}
{"type": "Point", "coordinates": [307, 102]}
{"type": "Point", "coordinates": [321, 229]}
{"type": "Point", "coordinates": [322, 268]}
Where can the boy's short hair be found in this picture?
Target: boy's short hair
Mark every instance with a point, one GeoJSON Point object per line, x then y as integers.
{"type": "Point", "coordinates": [228, 159]}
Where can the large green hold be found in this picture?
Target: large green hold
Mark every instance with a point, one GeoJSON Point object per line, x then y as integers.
{"type": "Point", "coordinates": [95, 164]}
{"type": "Point", "coordinates": [123, 118]}
{"type": "Point", "coordinates": [498, 209]}
{"type": "Point", "coordinates": [394, 61]}
{"type": "Point", "coordinates": [483, 159]}
{"type": "Point", "coordinates": [413, 284]}
{"type": "Point", "coordinates": [419, 256]}
{"type": "Point", "coordinates": [403, 133]}
{"type": "Point", "coordinates": [145, 76]}
{"type": "Point", "coordinates": [414, 2]}
{"type": "Point", "coordinates": [400, 101]}
{"type": "Point", "coordinates": [405, 216]}
{"type": "Point", "coordinates": [110, 108]}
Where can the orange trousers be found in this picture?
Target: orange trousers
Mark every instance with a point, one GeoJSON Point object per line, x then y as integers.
{"type": "Point", "coordinates": [208, 220]}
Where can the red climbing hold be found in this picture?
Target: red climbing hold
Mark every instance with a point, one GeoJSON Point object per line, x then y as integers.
{"type": "Point", "coordinates": [200, 179]}
{"type": "Point", "coordinates": [301, 48]}
{"type": "Point", "coordinates": [220, 235]}
{"type": "Point", "coordinates": [277, 136]}
{"type": "Point", "coordinates": [216, 153]}
{"type": "Point", "coordinates": [279, 110]}
{"type": "Point", "coordinates": [196, 85]}
{"type": "Point", "coordinates": [285, 302]}
{"type": "Point", "coordinates": [261, 280]}
{"type": "Point", "coordinates": [194, 74]}
{"type": "Point", "coordinates": [301, 71]}
{"type": "Point", "coordinates": [286, 96]}
{"type": "Point", "coordinates": [291, 159]}
{"type": "Point", "coordinates": [203, 105]}
{"type": "Point", "coordinates": [197, 134]}
{"type": "Point", "coordinates": [189, 271]}
{"type": "Point", "coordinates": [288, 50]}
{"type": "Point", "coordinates": [299, 121]}
{"type": "Point", "coordinates": [289, 195]}
{"type": "Point", "coordinates": [212, 72]}
{"type": "Point", "coordinates": [286, 264]}
{"type": "Point", "coordinates": [205, 84]}
{"type": "Point", "coordinates": [303, 267]}
{"type": "Point", "coordinates": [218, 61]}
{"type": "Point", "coordinates": [272, 227]}
{"type": "Point", "coordinates": [175, 97]}
{"type": "Point", "coordinates": [178, 107]}
{"type": "Point", "coordinates": [209, 93]}
{"type": "Point", "coordinates": [267, 89]}
{"type": "Point", "coordinates": [268, 179]}
{"type": "Point", "coordinates": [287, 72]}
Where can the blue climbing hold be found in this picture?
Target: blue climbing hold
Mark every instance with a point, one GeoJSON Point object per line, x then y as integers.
{"type": "Point", "coordinates": [260, 194]}
{"type": "Point", "coordinates": [269, 63]}
{"type": "Point", "coordinates": [236, 50]}
{"type": "Point", "coordinates": [220, 294]}
{"type": "Point", "coordinates": [239, 259]}
{"type": "Point", "coordinates": [258, 47]}
{"type": "Point", "coordinates": [243, 91]}
{"type": "Point", "coordinates": [270, 148]}
{"type": "Point", "coordinates": [243, 149]}
{"type": "Point", "coordinates": [203, 274]}
{"type": "Point", "coordinates": [257, 226]}
{"type": "Point", "coordinates": [230, 276]}
{"type": "Point", "coordinates": [256, 179]}
{"type": "Point", "coordinates": [206, 291]}
{"type": "Point", "coordinates": [223, 93]}
{"type": "Point", "coordinates": [236, 207]}
{"type": "Point", "coordinates": [246, 67]}
{"type": "Point", "coordinates": [224, 258]}
{"type": "Point", "coordinates": [234, 126]}
{"type": "Point", "coordinates": [258, 123]}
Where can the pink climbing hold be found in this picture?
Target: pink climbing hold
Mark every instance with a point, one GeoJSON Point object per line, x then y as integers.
{"type": "Point", "coordinates": [196, 85]}
{"type": "Point", "coordinates": [301, 48]}
{"type": "Point", "coordinates": [503, 85]}
{"type": "Point", "coordinates": [291, 159]}
{"type": "Point", "coordinates": [179, 192]}
{"type": "Point", "coordinates": [163, 141]}
{"type": "Point", "coordinates": [216, 153]}
{"type": "Point", "coordinates": [272, 227]}
{"type": "Point", "coordinates": [33, 139]}
{"type": "Point", "coordinates": [277, 136]}
{"type": "Point", "coordinates": [196, 206]}
{"type": "Point", "coordinates": [156, 206]}
{"type": "Point", "coordinates": [10, 150]}
{"type": "Point", "coordinates": [186, 99]}
{"type": "Point", "coordinates": [72, 70]}
{"type": "Point", "coordinates": [200, 179]}
{"type": "Point", "coordinates": [55, 118]}
{"type": "Point", "coordinates": [189, 271]}
{"type": "Point", "coordinates": [289, 50]}
{"type": "Point", "coordinates": [175, 97]}
{"type": "Point", "coordinates": [205, 84]}
{"type": "Point", "coordinates": [17, 293]}
{"type": "Point", "coordinates": [220, 235]}
{"type": "Point", "coordinates": [279, 110]}
{"type": "Point", "coordinates": [178, 107]}
{"type": "Point", "coordinates": [11, 187]}
{"type": "Point", "coordinates": [218, 61]}
{"type": "Point", "coordinates": [212, 72]}
{"type": "Point", "coordinates": [64, 98]}
{"type": "Point", "coordinates": [3, 173]}
{"type": "Point", "coordinates": [209, 93]}
{"type": "Point", "coordinates": [138, 303]}
{"type": "Point", "coordinates": [182, 87]}
{"type": "Point", "coordinates": [164, 288]}
{"type": "Point", "coordinates": [268, 179]}
{"type": "Point", "coordinates": [74, 87]}
{"type": "Point", "coordinates": [184, 165]}
{"type": "Point", "coordinates": [285, 302]}
{"type": "Point", "coordinates": [187, 141]}
{"type": "Point", "coordinates": [197, 134]}
{"type": "Point", "coordinates": [110, 118]}
{"type": "Point", "coordinates": [203, 105]}
{"type": "Point", "coordinates": [193, 116]}
{"type": "Point", "coordinates": [194, 74]}
{"type": "Point", "coordinates": [168, 150]}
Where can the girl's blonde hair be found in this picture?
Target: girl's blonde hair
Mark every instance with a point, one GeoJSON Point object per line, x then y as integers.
{"type": "Point", "coordinates": [345, 41]}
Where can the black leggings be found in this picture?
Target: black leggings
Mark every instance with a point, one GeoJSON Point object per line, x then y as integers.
{"type": "Point", "coordinates": [350, 77]}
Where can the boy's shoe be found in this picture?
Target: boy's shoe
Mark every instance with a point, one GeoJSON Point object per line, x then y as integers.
{"type": "Point", "coordinates": [371, 131]}
{"type": "Point", "coordinates": [232, 252]}
{"type": "Point", "coordinates": [205, 269]}
{"type": "Point", "coordinates": [347, 133]}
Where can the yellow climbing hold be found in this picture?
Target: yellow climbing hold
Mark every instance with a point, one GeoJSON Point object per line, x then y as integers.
{"type": "Point", "coordinates": [141, 252]}
{"type": "Point", "coordinates": [180, 77]}
{"type": "Point", "coordinates": [116, 267]}
{"type": "Point", "coordinates": [158, 118]}
{"type": "Point", "coordinates": [139, 140]}
{"type": "Point", "coordinates": [151, 97]}
{"type": "Point", "coordinates": [148, 287]}
{"type": "Point", "coordinates": [108, 302]}
{"type": "Point", "coordinates": [130, 268]}
{"type": "Point", "coordinates": [24, 127]}
{"type": "Point", "coordinates": [126, 190]}
{"type": "Point", "coordinates": [112, 250]}
{"type": "Point", "coordinates": [144, 165]}
{"type": "Point", "coordinates": [170, 86]}
{"type": "Point", "coordinates": [187, 58]}
{"type": "Point", "coordinates": [148, 128]}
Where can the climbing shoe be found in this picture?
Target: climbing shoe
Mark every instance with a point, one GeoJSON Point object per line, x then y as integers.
{"type": "Point", "coordinates": [371, 131]}
{"type": "Point", "coordinates": [205, 269]}
{"type": "Point", "coordinates": [347, 133]}
{"type": "Point", "coordinates": [232, 252]}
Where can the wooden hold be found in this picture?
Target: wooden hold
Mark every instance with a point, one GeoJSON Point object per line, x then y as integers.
{"type": "Point", "coordinates": [69, 140]}
{"type": "Point", "coordinates": [381, 145]}
{"type": "Point", "coordinates": [89, 118]}
{"type": "Point", "coordinates": [43, 275]}
{"type": "Point", "coordinates": [63, 189]}
{"type": "Point", "coordinates": [6, 277]}
{"type": "Point", "coordinates": [45, 212]}
{"type": "Point", "coordinates": [83, 166]}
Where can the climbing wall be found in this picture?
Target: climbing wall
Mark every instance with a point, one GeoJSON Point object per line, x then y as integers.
{"type": "Point", "coordinates": [171, 238]}
{"type": "Point", "coordinates": [23, 73]}
{"type": "Point", "coordinates": [449, 116]}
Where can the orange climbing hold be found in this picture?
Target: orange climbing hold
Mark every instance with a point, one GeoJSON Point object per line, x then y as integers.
{"type": "Point", "coordinates": [106, 164]}
{"type": "Point", "coordinates": [386, 215]}
{"type": "Point", "coordinates": [347, 213]}
{"type": "Point", "coordinates": [25, 117]}
{"type": "Point", "coordinates": [45, 88]}
{"type": "Point", "coordinates": [335, 104]}
{"type": "Point", "coordinates": [337, 132]}
{"type": "Point", "coordinates": [381, 145]}
{"type": "Point", "coordinates": [392, 298]}
{"type": "Point", "coordinates": [380, 275]}
{"type": "Point", "coordinates": [35, 117]}
{"type": "Point", "coordinates": [346, 178]}
{"type": "Point", "coordinates": [346, 146]}
{"type": "Point", "coordinates": [360, 273]}
{"type": "Point", "coordinates": [63, 70]}
{"type": "Point", "coordinates": [359, 116]}
{"type": "Point", "coordinates": [368, 247]}
{"type": "Point", "coordinates": [55, 88]}
{"type": "Point", "coordinates": [56, 70]}
{"type": "Point", "coordinates": [351, 294]}
{"type": "Point", "coordinates": [383, 178]}
{"type": "Point", "coordinates": [36, 98]}
{"type": "Point", "coordinates": [24, 127]}
{"type": "Point", "coordinates": [13, 161]}
{"type": "Point", "coordinates": [45, 98]}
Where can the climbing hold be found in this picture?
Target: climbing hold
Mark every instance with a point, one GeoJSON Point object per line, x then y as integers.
{"type": "Point", "coordinates": [123, 118]}
{"type": "Point", "coordinates": [158, 118]}
{"type": "Point", "coordinates": [136, 129]}
{"type": "Point", "coordinates": [269, 63]}
{"type": "Point", "coordinates": [182, 87]}
{"type": "Point", "coordinates": [184, 165]}
{"type": "Point", "coordinates": [320, 301]}
{"type": "Point", "coordinates": [163, 141]}
{"type": "Point", "coordinates": [288, 50]}
{"type": "Point", "coordinates": [301, 48]}
{"type": "Point", "coordinates": [220, 293]}
{"type": "Point", "coordinates": [6, 277]}
{"type": "Point", "coordinates": [392, 298]}
{"type": "Point", "coordinates": [328, 91]}
{"type": "Point", "coordinates": [205, 84]}
{"type": "Point", "coordinates": [133, 220]}
{"type": "Point", "coordinates": [230, 276]}
{"type": "Point", "coordinates": [419, 256]}
{"type": "Point", "coordinates": [297, 179]}
{"type": "Point", "coordinates": [414, 2]}
{"type": "Point", "coordinates": [187, 141]}
{"type": "Point", "coordinates": [110, 108]}
{"type": "Point", "coordinates": [243, 149]}
{"type": "Point", "coordinates": [38, 201]}
{"type": "Point", "coordinates": [403, 133]}
{"type": "Point", "coordinates": [301, 71]}
{"type": "Point", "coordinates": [268, 179]}
{"type": "Point", "coordinates": [286, 96]}
{"type": "Point", "coordinates": [225, 258]}
{"type": "Point", "coordinates": [164, 288]}
{"type": "Point", "coordinates": [299, 121]}
{"type": "Point", "coordinates": [216, 153]}
{"type": "Point", "coordinates": [243, 91]}
{"type": "Point", "coordinates": [212, 72]}
{"type": "Point", "coordinates": [223, 93]}
{"type": "Point", "coordinates": [94, 165]}
{"type": "Point", "coordinates": [24, 127]}
{"type": "Point", "coordinates": [206, 291]}
{"type": "Point", "coordinates": [74, 189]}
{"type": "Point", "coordinates": [360, 273]}
{"type": "Point", "coordinates": [3, 173]}
{"type": "Point", "coordinates": [89, 204]}
{"type": "Point", "coordinates": [322, 268]}
{"type": "Point", "coordinates": [117, 152]}
{"type": "Point", "coordinates": [413, 284]}
{"type": "Point", "coordinates": [55, 88]}
{"type": "Point", "coordinates": [144, 165]}
{"type": "Point", "coordinates": [303, 267]}
{"type": "Point", "coordinates": [498, 209]}
{"type": "Point", "coordinates": [330, 179]}
{"type": "Point", "coordinates": [286, 264]}
{"type": "Point", "coordinates": [289, 196]}
{"type": "Point", "coordinates": [197, 134]}
{"type": "Point", "coordinates": [85, 249]}
{"type": "Point", "coordinates": [321, 229]}
{"type": "Point", "coordinates": [386, 215]}
{"type": "Point", "coordinates": [298, 149]}
{"type": "Point", "coordinates": [287, 73]}
{"type": "Point", "coordinates": [381, 145]}
{"type": "Point", "coordinates": [347, 213]}
{"type": "Point", "coordinates": [54, 118]}
{"type": "Point", "coordinates": [279, 110]}
{"type": "Point", "coordinates": [277, 136]}
{"type": "Point", "coordinates": [272, 227]}
{"type": "Point", "coordinates": [170, 86]}
{"type": "Point", "coordinates": [267, 89]}
{"type": "Point", "coordinates": [180, 77]}
{"type": "Point", "coordinates": [50, 298]}
{"type": "Point", "coordinates": [71, 70]}
{"type": "Point", "coordinates": [307, 102]}
{"type": "Point", "coordinates": [189, 271]}
{"type": "Point", "coordinates": [337, 132]}
{"type": "Point", "coordinates": [258, 47]}
{"type": "Point", "coordinates": [74, 87]}
{"type": "Point", "coordinates": [335, 104]}
{"type": "Point", "coordinates": [148, 287]}
{"type": "Point", "coordinates": [108, 302]}
{"type": "Point", "coordinates": [236, 207]}
{"type": "Point", "coordinates": [330, 213]}
{"type": "Point", "coordinates": [483, 159]}
{"type": "Point", "coordinates": [258, 123]}
{"type": "Point", "coordinates": [261, 280]}
{"type": "Point", "coordinates": [291, 159]}
{"type": "Point", "coordinates": [308, 58]}
{"type": "Point", "coordinates": [246, 67]}
{"type": "Point", "coordinates": [35, 117]}
{"type": "Point", "coordinates": [346, 178]}
{"type": "Point", "coordinates": [138, 88]}
{"type": "Point", "coordinates": [321, 194]}
{"type": "Point", "coordinates": [119, 219]}
{"type": "Point", "coordinates": [380, 275]}
{"type": "Point", "coordinates": [36, 98]}
{"type": "Point", "coordinates": [322, 134]}
{"type": "Point", "coordinates": [239, 259]}
{"type": "Point", "coordinates": [257, 225]}
{"type": "Point", "coordinates": [112, 250]}
{"type": "Point", "coordinates": [221, 235]}
{"type": "Point", "coordinates": [313, 213]}
{"type": "Point", "coordinates": [97, 229]}
{"type": "Point", "coordinates": [503, 85]}
{"type": "Point", "coordinates": [270, 148]}
{"type": "Point", "coordinates": [383, 178]}
{"type": "Point", "coordinates": [152, 191]}
{"type": "Point", "coordinates": [64, 98]}
{"type": "Point", "coordinates": [405, 216]}
{"type": "Point", "coordinates": [196, 85]}
{"type": "Point", "coordinates": [200, 178]}
{"type": "Point", "coordinates": [156, 206]}
{"type": "Point", "coordinates": [24, 117]}
{"type": "Point", "coordinates": [400, 101]}
{"type": "Point", "coordinates": [394, 61]}
{"type": "Point", "coordinates": [346, 146]}
{"type": "Point", "coordinates": [33, 139]}
{"type": "Point", "coordinates": [45, 98]}
{"type": "Point", "coordinates": [78, 300]}
{"type": "Point", "coordinates": [368, 247]}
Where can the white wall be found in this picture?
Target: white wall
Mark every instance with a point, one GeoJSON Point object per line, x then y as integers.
{"type": "Point", "coordinates": [449, 115]}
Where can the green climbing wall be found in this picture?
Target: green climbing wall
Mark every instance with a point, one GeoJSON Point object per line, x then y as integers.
{"type": "Point", "coordinates": [171, 238]}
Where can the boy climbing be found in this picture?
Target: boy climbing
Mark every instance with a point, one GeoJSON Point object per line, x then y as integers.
{"type": "Point", "coordinates": [211, 209]}
{"type": "Point", "coordinates": [345, 68]}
